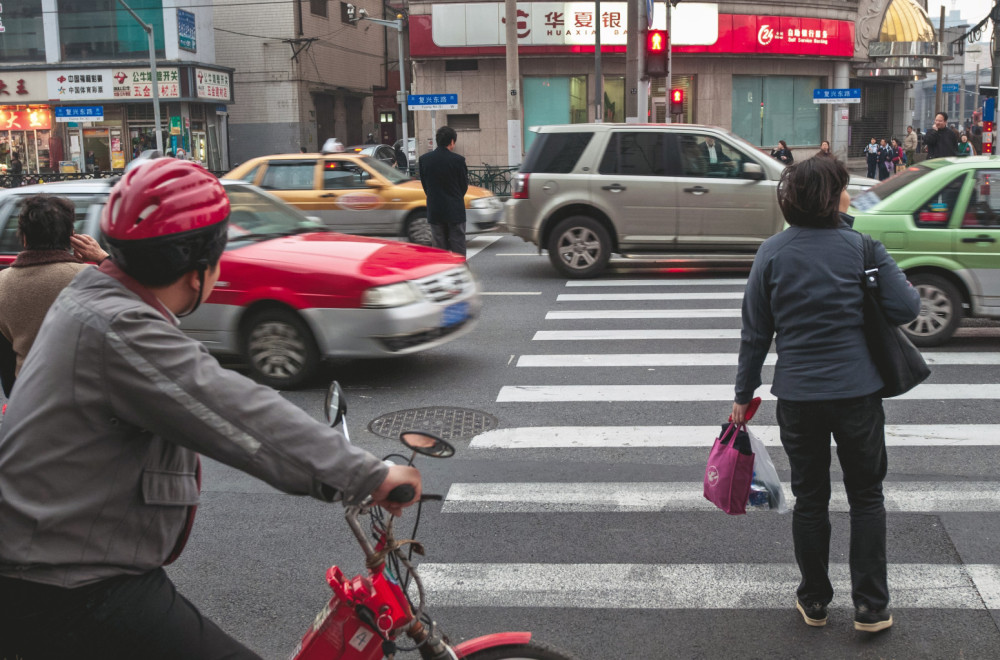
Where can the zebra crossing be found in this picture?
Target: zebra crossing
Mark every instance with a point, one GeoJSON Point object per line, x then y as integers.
{"type": "Point", "coordinates": [697, 320]}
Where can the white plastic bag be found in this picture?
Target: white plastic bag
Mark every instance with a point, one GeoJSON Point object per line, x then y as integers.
{"type": "Point", "coordinates": [765, 475]}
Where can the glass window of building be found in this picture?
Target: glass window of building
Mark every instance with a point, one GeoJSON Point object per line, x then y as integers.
{"type": "Point", "coordinates": [772, 108]}
{"type": "Point", "coordinates": [102, 29]}
{"type": "Point", "coordinates": [553, 100]}
{"type": "Point", "coordinates": [22, 40]}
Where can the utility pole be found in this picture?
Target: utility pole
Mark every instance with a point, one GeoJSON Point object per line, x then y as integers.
{"type": "Point", "coordinates": [513, 86]}
{"type": "Point", "coordinates": [152, 72]}
{"type": "Point", "coordinates": [634, 44]}
{"type": "Point", "coordinates": [670, 68]}
{"type": "Point", "coordinates": [939, 98]}
{"type": "Point", "coordinates": [598, 77]}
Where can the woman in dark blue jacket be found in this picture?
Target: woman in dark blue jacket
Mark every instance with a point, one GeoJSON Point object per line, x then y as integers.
{"type": "Point", "coordinates": [805, 289]}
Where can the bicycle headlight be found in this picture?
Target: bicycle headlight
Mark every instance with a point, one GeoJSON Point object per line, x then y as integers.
{"type": "Point", "coordinates": [391, 295]}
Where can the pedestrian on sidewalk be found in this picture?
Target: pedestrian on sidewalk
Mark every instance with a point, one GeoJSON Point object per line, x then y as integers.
{"type": "Point", "coordinates": [910, 146]}
{"type": "Point", "coordinates": [445, 180]}
{"type": "Point", "coordinates": [941, 140]}
{"type": "Point", "coordinates": [783, 153]}
{"type": "Point", "coordinates": [883, 157]}
{"type": "Point", "coordinates": [824, 150]}
{"type": "Point", "coordinates": [965, 147]}
{"type": "Point", "coordinates": [871, 155]}
{"type": "Point", "coordinates": [805, 286]}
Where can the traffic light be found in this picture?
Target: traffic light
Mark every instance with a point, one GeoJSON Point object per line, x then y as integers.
{"type": "Point", "coordinates": [657, 42]}
{"type": "Point", "coordinates": [677, 101]}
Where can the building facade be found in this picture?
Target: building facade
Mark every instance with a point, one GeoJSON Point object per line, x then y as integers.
{"type": "Point", "coordinates": [304, 73]}
{"type": "Point", "coordinates": [752, 68]}
{"type": "Point", "coordinates": [76, 86]}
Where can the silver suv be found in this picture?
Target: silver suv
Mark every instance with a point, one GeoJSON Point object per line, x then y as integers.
{"type": "Point", "coordinates": [677, 192]}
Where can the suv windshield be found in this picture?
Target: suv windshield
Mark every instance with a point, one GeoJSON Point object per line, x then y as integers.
{"type": "Point", "coordinates": [253, 215]}
{"type": "Point", "coordinates": [389, 172]}
{"type": "Point", "coordinates": [881, 191]}
{"type": "Point", "coordinates": [555, 153]}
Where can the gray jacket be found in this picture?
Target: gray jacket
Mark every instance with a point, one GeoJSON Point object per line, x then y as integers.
{"type": "Point", "coordinates": [99, 447]}
{"type": "Point", "coordinates": [806, 287]}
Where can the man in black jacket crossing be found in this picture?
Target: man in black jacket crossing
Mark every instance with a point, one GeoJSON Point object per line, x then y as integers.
{"type": "Point", "coordinates": [445, 180]}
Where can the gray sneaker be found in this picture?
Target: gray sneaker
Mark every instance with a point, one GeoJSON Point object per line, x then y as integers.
{"type": "Point", "coordinates": [869, 620]}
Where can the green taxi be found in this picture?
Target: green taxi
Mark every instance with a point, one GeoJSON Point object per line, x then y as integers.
{"type": "Point", "coordinates": [940, 221]}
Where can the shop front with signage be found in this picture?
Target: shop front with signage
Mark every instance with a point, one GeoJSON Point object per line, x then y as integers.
{"type": "Point", "coordinates": [753, 74]}
{"type": "Point", "coordinates": [99, 119]}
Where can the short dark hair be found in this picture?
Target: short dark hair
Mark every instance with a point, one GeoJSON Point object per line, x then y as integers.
{"type": "Point", "coordinates": [445, 136]}
{"type": "Point", "coordinates": [943, 114]}
{"type": "Point", "coordinates": [809, 192]}
{"type": "Point", "coordinates": [46, 222]}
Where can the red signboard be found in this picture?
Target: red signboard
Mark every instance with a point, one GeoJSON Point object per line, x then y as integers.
{"type": "Point", "coordinates": [31, 119]}
{"type": "Point", "coordinates": [739, 34]}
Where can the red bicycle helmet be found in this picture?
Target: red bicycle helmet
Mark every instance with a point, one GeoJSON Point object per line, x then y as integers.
{"type": "Point", "coordinates": [165, 218]}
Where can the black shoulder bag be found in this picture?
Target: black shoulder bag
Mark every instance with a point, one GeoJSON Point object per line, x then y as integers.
{"type": "Point", "coordinates": [900, 364]}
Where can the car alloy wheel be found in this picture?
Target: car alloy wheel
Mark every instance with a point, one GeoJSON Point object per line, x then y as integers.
{"type": "Point", "coordinates": [579, 247]}
{"type": "Point", "coordinates": [281, 349]}
{"type": "Point", "coordinates": [940, 311]}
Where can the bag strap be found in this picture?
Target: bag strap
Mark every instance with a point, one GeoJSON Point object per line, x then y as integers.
{"type": "Point", "coordinates": [871, 268]}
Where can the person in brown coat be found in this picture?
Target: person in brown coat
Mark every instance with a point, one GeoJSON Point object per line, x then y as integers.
{"type": "Point", "coordinates": [41, 271]}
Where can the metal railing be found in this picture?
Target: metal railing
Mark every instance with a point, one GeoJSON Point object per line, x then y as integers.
{"type": "Point", "coordinates": [494, 178]}
{"type": "Point", "coordinates": [15, 180]}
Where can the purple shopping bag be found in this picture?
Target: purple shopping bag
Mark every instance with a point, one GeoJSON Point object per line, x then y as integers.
{"type": "Point", "coordinates": [729, 472]}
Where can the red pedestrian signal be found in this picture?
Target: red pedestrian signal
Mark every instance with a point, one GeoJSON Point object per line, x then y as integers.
{"type": "Point", "coordinates": [657, 44]}
{"type": "Point", "coordinates": [677, 101]}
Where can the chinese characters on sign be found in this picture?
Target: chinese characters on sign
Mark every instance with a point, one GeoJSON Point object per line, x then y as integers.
{"type": "Point", "coordinates": [432, 101]}
{"type": "Point", "coordinates": [2, 28]}
{"type": "Point", "coordinates": [138, 83]}
{"type": "Point", "coordinates": [186, 31]}
{"type": "Point", "coordinates": [841, 95]}
{"type": "Point", "coordinates": [79, 85]}
{"type": "Point", "coordinates": [80, 114]}
{"type": "Point", "coordinates": [212, 84]}
{"type": "Point", "coordinates": [32, 119]}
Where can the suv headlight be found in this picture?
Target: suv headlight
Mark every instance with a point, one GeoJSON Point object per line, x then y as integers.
{"type": "Point", "coordinates": [391, 295]}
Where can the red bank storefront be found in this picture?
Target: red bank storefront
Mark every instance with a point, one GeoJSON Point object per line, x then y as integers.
{"type": "Point", "coordinates": [754, 74]}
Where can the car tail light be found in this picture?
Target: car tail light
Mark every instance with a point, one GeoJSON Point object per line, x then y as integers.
{"type": "Point", "coordinates": [521, 185]}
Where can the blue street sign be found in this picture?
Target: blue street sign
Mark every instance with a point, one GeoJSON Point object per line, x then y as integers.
{"type": "Point", "coordinates": [949, 89]}
{"type": "Point", "coordinates": [187, 33]}
{"type": "Point", "coordinates": [80, 113]}
{"type": "Point", "coordinates": [649, 14]}
{"type": "Point", "coordinates": [432, 101]}
{"type": "Point", "coordinates": [840, 95]}
{"type": "Point", "coordinates": [989, 109]}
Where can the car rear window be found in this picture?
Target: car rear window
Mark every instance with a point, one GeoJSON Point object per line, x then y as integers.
{"type": "Point", "coordinates": [10, 243]}
{"type": "Point", "coordinates": [881, 191]}
{"type": "Point", "coordinates": [555, 153]}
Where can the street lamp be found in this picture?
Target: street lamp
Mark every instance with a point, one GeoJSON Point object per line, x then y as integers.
{"type": "Point", "coordinates": [152, 72]}
{"type": "Point", "coordinates": [354, 15]}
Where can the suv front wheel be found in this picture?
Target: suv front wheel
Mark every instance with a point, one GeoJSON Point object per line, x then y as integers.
{"type": "Point", "coordinates": [579, 246]}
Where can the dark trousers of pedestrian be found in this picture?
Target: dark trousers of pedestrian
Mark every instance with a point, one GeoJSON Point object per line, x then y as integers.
{"type": "Point", "coordinates": [858, 427]}
{"type": "Point", "coordinates": [126, 618]}
{"type": "Point", "coordinates": [872, 162]}
{"type": "Point", "coordinates": [449, 236]}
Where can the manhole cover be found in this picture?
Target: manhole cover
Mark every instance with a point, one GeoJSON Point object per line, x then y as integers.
{"type": "Point", "coordinates": [446, 423]}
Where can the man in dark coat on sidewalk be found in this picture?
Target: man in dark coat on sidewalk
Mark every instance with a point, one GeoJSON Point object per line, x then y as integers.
{"type": "Point", "coordinates": [445, 180]}
{"type": "Point", "coordinates": [941, 141]}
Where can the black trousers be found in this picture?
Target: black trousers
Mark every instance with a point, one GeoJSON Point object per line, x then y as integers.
{"type": "Point", "coordinates": [449, 236]}
{"type": "Point", "coordinates": [127, 617]}
{"type": "Point", "coordinates": [872, 163]}
{"type": "Point", "coordinates": [858, 426]}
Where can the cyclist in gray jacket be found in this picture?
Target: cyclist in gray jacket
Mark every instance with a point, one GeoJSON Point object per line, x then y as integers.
{"type": "Point", "coordinates": [99, 450]}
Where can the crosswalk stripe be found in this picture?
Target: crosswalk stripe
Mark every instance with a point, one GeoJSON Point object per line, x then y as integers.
{"type": "Point", "coordinates": [622, 335]}
{"type": "Point", "coordinates": [639, 437]}
{"type": "Point", "coordinates": [620, 497]}
{"type": "Point", "coordinates": [580, 393]}
{"type": "Point", "coordinates": [743, 586]}
{"type": "Point", "coordinates": [712, 359]}
{"type": "Point", "coordinates": [708, 295]}
{"type": "Point", "coordinates": [586, 315]}
{"type": "Point", "coordinates": [653, 282]}
{"type": "Point", "coordinates": [477, 244]}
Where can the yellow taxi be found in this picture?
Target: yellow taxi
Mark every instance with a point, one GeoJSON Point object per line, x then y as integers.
{"type": "Point", "coordinates": [357, 194]}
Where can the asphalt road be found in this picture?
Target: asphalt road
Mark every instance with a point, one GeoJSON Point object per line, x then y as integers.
{"type": "Point", "coordinates": [580, 518]}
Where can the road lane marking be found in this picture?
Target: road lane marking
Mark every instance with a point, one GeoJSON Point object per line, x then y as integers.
{"type": "Point", "coordinates": [743, 586]}
{"type": "Point", "coordinates": [676, 393]}
{"type": "Point", "coordinates": [618, 497]}
{"type": "Point", "coordinates": [653, 282]}
{"type": "Point", "coordinates": [987, 579]}
{"type": "Point", "coordinates": [510, 293]}
{"type": "Point", "coordinates": [708, 295]}
{"type": "Point", "coordinates": [640, 437]}
{"type": "Point", "coordinates": [477, 244]}
{"type": "Point", "coordinates": [586, 315]}
{"type": "Point", "coordinates": [620, 335]}
{"type": "Point", "coordinates": [713, 359]}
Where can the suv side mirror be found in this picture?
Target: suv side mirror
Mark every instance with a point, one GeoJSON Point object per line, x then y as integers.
{"type": "Point", "coordinates": [753, 171]}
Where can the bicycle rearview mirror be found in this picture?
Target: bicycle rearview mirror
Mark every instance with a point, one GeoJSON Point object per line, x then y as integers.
{"type": "Point", "coordinates": [335, 406]}
{"type": "Point", "coordinates": [426, 444]}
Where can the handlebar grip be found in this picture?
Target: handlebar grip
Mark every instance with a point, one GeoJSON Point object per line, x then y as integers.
{"type": "Point", "coordinates": [402, 494]}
